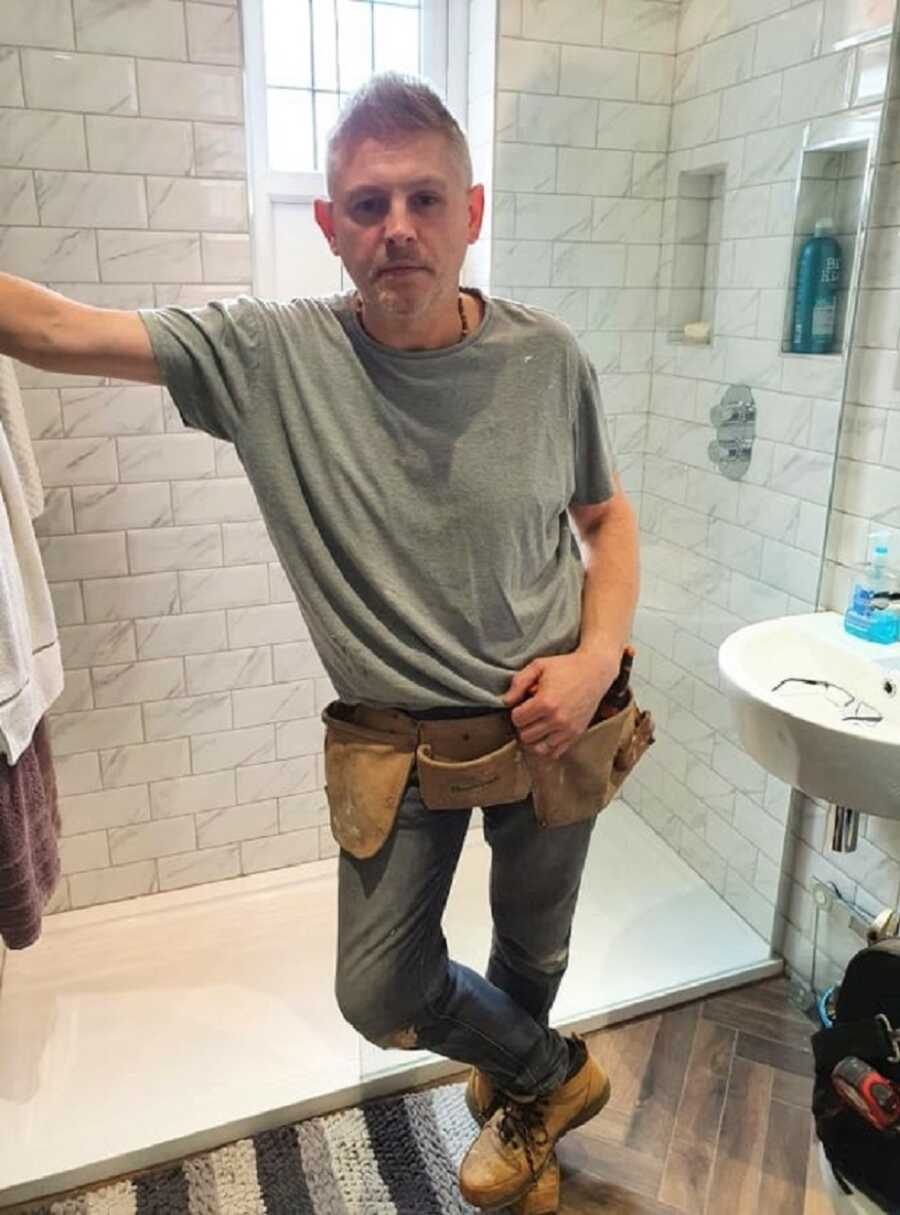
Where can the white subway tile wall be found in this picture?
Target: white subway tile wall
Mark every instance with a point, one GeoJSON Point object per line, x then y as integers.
{"type": "Point", "coordinates": [188, 743]}
{"type": "Point", "coordinates": [187, 739]}
{"type": "Point", "coordinates": [712, 89]}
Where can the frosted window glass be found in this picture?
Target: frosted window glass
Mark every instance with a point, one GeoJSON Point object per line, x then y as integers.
{"type": "Point", "coordinates": [290, 130]}
{"type": "Point", "coordinates": [354, 43]}
{"type": "Point", "coordinates": [396, 39]}
{"type": "Point", "coordinates": [324, 44]}
{"type": "Point", "coordinates": [326, 117]}
{"type": "Point", "coordinates": [287, 43]}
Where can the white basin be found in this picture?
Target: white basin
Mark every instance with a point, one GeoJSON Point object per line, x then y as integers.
{"type": "Point", "coordinates": [837, 738]}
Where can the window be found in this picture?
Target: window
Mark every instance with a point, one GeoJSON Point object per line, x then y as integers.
{"type": "Point", "coordinates": [319, 51]}
{"type": "Point", "coordinates": [302, 59]}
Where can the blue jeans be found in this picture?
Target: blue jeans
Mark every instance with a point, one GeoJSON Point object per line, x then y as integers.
{"type": "Point", "coordinates": [395, 981]}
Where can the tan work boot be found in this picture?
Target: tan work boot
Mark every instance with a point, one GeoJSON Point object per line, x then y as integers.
{"type": "Point", "coordinates": [481, 1096]}
{"type": "Point", "coordinates": [543, 1197]}
{"type": "Point", "coordinates": [516, 1144]}
{"type": "Point", "coordinates": [483, 1099]}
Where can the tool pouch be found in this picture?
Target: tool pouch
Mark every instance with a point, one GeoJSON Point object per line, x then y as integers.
{"type": "Point", "coordinates": [488, 780]}
{"type": "Point", "coordinates": [590, 773]}
{"type": "Point", "coordinates": [366, 773]}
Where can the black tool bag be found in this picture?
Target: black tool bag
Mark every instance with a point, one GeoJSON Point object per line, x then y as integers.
{"type": "Point", "coordinates": [866, 1024]}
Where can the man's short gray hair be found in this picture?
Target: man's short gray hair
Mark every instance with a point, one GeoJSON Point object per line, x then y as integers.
{"type": "Point", "coordinates": [389, 105]}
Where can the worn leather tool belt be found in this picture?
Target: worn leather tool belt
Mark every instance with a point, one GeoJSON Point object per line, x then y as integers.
{"type": "Point", "coordinates": [465, 762]}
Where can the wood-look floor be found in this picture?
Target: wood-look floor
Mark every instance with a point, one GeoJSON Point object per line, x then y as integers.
{"type": "Point", "coordinates": [710, 1114]}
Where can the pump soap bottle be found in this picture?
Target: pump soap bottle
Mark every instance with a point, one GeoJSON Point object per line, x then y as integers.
{"type": "Point", "coordinates": [870, 613]}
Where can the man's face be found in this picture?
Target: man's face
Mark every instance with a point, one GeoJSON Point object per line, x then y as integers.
{"type": "Point", "coordinates": [400, 218]}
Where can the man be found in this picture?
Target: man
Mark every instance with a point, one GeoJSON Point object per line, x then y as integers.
{"type": "Point", "coordinates": [417, 452]}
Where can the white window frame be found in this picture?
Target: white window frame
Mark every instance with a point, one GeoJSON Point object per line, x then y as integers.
{"type": "Point", "coordinates": [444, 57]}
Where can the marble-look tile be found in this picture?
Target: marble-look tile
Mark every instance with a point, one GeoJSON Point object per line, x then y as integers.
{"type": "Point", "coordinates": [277, 623]}
{"type": "Point", "coordinates": [126, 409]}
{"type": "Point", "coordinates": [702, 21]}
{"type": "Point", "coordinates": [292, 661]}
{"type": "Point", "coordinates": [10, 77]}
{"type": "Point", "coordinates": [152, 257]}
{"type": "Point", "coordinates": [649, 175]}
{"type": "Point", "coordinates": [111, 885]}
{"type": "Point", "coordinates": [626, 220]}
{"type": "Point", "coordinates": [727, 61]}
{"type": "Point", "coordinates": [198, 868]}
{"type": "Point", "coordinates": [235, 586]}
{"type": "Point", "coordinates": [751, 107]}
{"type": "Point", "coordinates": [788, 39]}
{"type": "Point", "coordinates": [187, 715]}
{"type": "Point", "coordinates": [87, 731]}
{"type": "Point", "coordinates": [245, 543]}
{"type": "Point", "coordinates": [213, 34]}
{"type": "Point", "coordinates": [634, 128]}
{"type": "Point", "coordinates": [590, 265]}
{"type": "Point", "coordinates": [562, 121]}
{"type": "Point", "coordinates": [552, 217]}
{"type": "Point", "coordinates": [49, 23]}
{"type": "Point", "coordinates": [696, 121]}
{"type": "Point", "coordinates": [130, 598]}
{"type": "Point", "coordinates": [656, 79]}
{"type": "Point", "coordinates": [522, 262]}
{"type": "Point", "coordinates": [178, 204]}
{"type": "Point", "coordinates": [131, 27]}
{"type": "Point", "coordinates": [771, 156]}
{"type": "Point", "coordinates": [510, 17]}
{"type": "Point", "coordinates": [219, 150]}
{"type": "Point", "coordinates": [226, 259]}
{"type": "Point", "coordinates": [529, 67]}
{"type": "Point", "coordinates": [872, 67]}
{"type": "Point", "coordinates": [110, 508]}
{"type": "Point", "coordinates": [244, 668]}
{"type": "Point", "coordinates": [67, 604]}
{"type": "Point", "coordinates": [103, 809]}
{"type": "Point", "coordinates": [174, 548]}
{"type": "Point", "coordinates": [519, 167]}
{"type": "Point", "coordinates": [283, 778]}
{"type": "Point", "coordinates": [141, 145]}
{"type": "Point", "coordinates": [17, 199]}
{"type": "Point", "coordinates": [589, 72]}
{"type": "Point", "coordinates": [104, 84]}
{"type": "Point", "coordinates": [820, 87]}
{"type": "Point", "coordinates": [851, 18]}
{"type": "Point", "coordinates": [250, 821]}
{"type": "Point", "coordinates": [42, 139]}
{"type": "Point", "coordinates": [641, 25]}
{"type": "Point", "coordinates": [172, 636]}
{"type": "Point", "coordinates": [686, 76]}
{"type": "Point", "coordinates": [214, 500]}
{"type": "Point", "coordinates": [136, 682]}
{"type": "Point", "coordinates": [151, 840]}
{"type": "Point", "coordinates": [563, 21]}
{"type": "Point", "coordinates": [94, 645]}
{"type": "Point", "coordinates": [176, 90]}
{"type": "Point", "coordinates": [90, 200]}
{"type": "Point", "coordinates": [599, 173]}
{"type": "Point", "coordinates": [191, 794]}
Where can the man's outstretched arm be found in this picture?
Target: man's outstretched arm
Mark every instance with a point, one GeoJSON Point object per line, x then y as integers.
{"type": "Point", "coordinates": [49, 331]}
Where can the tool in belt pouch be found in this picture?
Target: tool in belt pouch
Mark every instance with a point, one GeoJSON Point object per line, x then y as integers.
{"type": "Point", "coordinates": [467, 762]}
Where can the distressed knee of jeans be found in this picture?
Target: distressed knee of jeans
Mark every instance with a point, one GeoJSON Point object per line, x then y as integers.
{"type": "Point", "coordinates": [553, 963]}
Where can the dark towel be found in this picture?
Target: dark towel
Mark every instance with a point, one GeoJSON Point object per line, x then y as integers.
{"type": "Point", "coordinates": [29, 831]}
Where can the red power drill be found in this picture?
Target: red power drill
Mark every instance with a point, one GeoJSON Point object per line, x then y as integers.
{"type": "Point", "coordinates": [865, 1090]}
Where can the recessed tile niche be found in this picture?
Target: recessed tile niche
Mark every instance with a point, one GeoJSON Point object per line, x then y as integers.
{"type": "Point", "coordinates": [831, 186]}
{"type": "Point", "coordinates": [698, 235]}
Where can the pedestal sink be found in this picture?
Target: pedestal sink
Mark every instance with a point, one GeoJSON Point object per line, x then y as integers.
{"type": "Point", "coordinates": [819, 708]}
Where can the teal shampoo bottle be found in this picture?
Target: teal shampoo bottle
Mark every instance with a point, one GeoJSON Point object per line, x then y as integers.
{"type": "Point", "coordinates": [817, 284]}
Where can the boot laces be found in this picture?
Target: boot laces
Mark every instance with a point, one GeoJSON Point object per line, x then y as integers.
{"type": "Point", "coordinates": [524, 1123]}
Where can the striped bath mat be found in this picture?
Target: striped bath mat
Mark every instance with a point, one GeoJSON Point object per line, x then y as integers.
{"type": "Point", "coordinates": [393, 1157]}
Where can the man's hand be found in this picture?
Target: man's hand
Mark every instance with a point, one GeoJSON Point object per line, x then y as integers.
{"type": "Point", "coordinates": [558, 696]}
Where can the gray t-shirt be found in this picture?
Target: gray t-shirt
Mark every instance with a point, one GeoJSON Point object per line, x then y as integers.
{"type": "Point", "coordinates": [417, 499]}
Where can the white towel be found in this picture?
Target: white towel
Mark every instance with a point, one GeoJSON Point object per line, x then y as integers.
{"type": "Point", "coordinates": [12, 419]}
{"type": "Point", "coordinates": [31, 674]}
